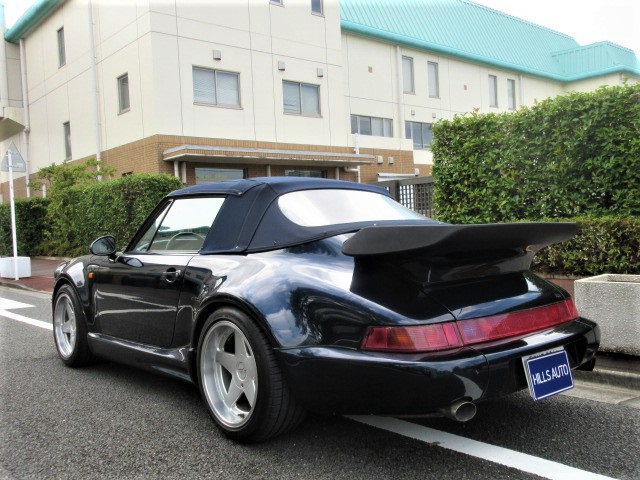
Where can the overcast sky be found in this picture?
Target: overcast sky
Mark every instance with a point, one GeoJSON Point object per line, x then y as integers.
{"type": "Point", "coordinates": [587, 21]}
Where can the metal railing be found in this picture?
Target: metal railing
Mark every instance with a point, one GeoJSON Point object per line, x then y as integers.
{"type": "Point", "coordinates": [414, 193]}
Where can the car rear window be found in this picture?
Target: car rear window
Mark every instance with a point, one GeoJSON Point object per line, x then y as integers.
{"type": "Point", "coordinates": [316, 208]}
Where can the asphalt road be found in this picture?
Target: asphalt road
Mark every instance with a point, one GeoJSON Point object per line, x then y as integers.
{"type": "Point", "coordinates": [111, 421]}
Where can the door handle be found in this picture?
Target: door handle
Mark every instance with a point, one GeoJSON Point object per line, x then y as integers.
{"type": "Point", "coordinates": [172, 275]}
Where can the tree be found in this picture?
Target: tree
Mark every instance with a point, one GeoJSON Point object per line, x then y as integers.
{"type": "Point", "coordinates": [64, 175]}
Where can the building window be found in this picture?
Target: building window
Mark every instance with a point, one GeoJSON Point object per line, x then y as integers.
{"type": "Point", "coordinates": [420, 133]}
{"type": "Point", "coordinates": [434, 85]}
{"type": "Point", "coordinates": [216, 87]}
{"type": "Point", "coordinates": [206, 175]}
{"type": "Point", "coordinates": [316, 7]}
{"type": "Point", "coordinates": [379, 127]}
{"type": "Point", "coordinates": [67, 140]}
{"type": "Point", "coordinates": [407, 74]}
{"type": "Point", "coordinates": [493, 91]}
{"type": "Point", "coordinates": [511, 92]}
{"type": "Point", "coordinates": [62, 56]}
{"type": "Point", "coordinates": [306, 173]}
{"type": "Point", "coordinates": [301, 98]}
{"type": "Point", "coordinates": [123, 93]}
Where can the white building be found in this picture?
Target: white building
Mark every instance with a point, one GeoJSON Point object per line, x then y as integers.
{"type": "Point", "coordinates": [219, 89]}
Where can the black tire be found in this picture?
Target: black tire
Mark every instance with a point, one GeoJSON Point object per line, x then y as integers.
{"type": "Point", "coordinates": [70, 329]}
{"type": "Point", "coordinates": [264, 406]}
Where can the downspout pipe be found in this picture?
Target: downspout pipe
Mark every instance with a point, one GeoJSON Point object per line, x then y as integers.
{"type": "Point", "coordinates": [4, 79]}
{"type": "Point", "coordinates": [521, 93]}
{"type": "Point", "coordinates": [400, 90]}
{"type": "Point", "coordinates": [354, 170]}
{"type": "Point", "coordinates": [94, 86]}
{"type": "Point", "coordinates": [356, 150]}
{"type": "Point", "coordinates": [25, 106]}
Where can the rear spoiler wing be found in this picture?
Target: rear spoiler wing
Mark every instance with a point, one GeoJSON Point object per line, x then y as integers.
{"type": "Point", "coordinates": [443, 240]}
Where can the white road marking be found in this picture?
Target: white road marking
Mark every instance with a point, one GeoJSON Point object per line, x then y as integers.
{"type": "Point", "coordinates": [23, 319]}
{"type": "Point", "coordinates": [503, 456]}
{"type": "Point", "coordinates": [6, 304]}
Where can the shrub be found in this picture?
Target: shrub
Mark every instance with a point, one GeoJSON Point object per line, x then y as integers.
{"type": "Point", "coordinates": [602, 245]}
{"type": "Point", "coordinates": [79, 214]}
{"type": "Point", "coordinates": [573, 155]}
{"type": "Point", "coordinates": [30, 222]}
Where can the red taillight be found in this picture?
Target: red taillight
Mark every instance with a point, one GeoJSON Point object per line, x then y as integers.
{"type": "Point", "coordinates": [445, 336]}
{"type": "Point", "coordinates": [421, 338]}
{"type": "Point", "coordinates": [516, 323]}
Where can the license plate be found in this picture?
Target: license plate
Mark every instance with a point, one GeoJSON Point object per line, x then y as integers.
{"type": "Point", "coordinates": [548, 373]}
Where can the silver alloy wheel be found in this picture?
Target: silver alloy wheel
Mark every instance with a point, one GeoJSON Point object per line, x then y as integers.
{"type": "Point", "coordinates": [65, 326]}
{"type": "Point", "coordinates": [229, 374]}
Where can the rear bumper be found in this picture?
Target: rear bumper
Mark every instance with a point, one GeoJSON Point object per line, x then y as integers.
{"type": "Point", "coordinates": [337, 380]}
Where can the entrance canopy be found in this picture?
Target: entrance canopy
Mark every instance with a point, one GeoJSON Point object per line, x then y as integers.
{"type": "Point", "coordinates": [263, 156]}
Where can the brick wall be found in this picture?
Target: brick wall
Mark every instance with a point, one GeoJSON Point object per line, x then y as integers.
{"type": "Point", "coordinates": [145, 156]}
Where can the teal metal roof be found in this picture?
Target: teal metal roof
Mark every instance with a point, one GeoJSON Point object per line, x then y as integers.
{"type": "Point", "coordinates": [29, 19]}
{"type": "Point", "coordinates": [594, 58]}
{"type": "Point", "coordinates": [463, 29]}
{"type": "Point", "coordinates": [458, 28]}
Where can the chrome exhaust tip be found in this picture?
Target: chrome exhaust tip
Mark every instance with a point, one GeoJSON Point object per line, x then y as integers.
{"type": "Point", "coordinates": [461, 411]}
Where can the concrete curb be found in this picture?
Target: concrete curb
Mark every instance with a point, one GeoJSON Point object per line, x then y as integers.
{"type": "Point", "coordinates": [18, 286]}
{"type": "Point", "coordinates": [611, 377]}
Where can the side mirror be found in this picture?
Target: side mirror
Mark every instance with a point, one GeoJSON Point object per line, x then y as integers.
{"type": "Point", "coordinates": [103, 246]}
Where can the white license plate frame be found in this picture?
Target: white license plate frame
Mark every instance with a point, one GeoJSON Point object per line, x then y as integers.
{"type": "Point", "coordinates": [548, 373]}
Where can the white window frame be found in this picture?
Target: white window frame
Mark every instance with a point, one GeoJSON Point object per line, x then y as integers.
{"type": "Point", "coordinates": [300, 96]}
{"type": "Point", "coordinates": [493, 91]}
{"type": "Point", "coordinates": [407, 76]}
{"type": "Point", "coordinates": [66, 127]}
{"type": "Point", "coordinates": [215, 102]}
{"type": "Point", "coordinates": [124, 100]}
{"type": "Point", "coordinates": [433, 79]}
{"type": "Point", "coordinates": [387, 125]}
{"type": "Point", "coordinates": [409, 134]}
{"type": "Point", "coordinates": [511, 93]}
{"type": "Point", "coordinates": [62, 54]}
{"type": "Point", "coordinates": [320, 3]}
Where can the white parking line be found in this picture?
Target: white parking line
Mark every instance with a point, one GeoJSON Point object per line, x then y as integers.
{"type": "Point", "coordinates": [6, 304]}
{"type": "Point", "coordinates": [23, 319]}
{"type": "Point", "coordinates": [503, 456]}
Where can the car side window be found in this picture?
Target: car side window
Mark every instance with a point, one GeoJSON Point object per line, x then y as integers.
{"type": "Point", "coordinates": [182, 226]}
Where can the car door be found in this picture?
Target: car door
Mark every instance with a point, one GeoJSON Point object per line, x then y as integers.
{"type": "Point", "coordinates": [136, 293]}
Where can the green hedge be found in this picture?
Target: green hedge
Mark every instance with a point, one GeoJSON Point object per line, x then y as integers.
{"type": "Point", "coordinates": [30, 225]}
{"type": "Point", "coordinates": [573, 155]}
{"type": "Point", "coordinates": [80, 214]}
{"type": "Point", "coordinates": [602, 245]}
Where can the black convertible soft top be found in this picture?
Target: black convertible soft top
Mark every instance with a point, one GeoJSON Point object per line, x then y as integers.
{"type": "Point", "coordinates": [250, 220]}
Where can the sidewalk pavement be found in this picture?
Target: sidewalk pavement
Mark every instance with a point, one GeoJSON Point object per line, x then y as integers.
{"type": "Point", "coordinates": [41, 279]}
{"type": "Point", "coordinates": [613, 371]}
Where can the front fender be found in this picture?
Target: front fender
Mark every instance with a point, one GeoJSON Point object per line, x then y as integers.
{"type": "Point", "coordinates": [74, 273]}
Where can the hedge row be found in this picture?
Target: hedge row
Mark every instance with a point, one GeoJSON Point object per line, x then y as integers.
{"type": "Point", "coordinates": [602, 245]}
{"type": "Point", "coordinates": [68, 221]}
{"type": "Point", "coordinates": [30, 225]}
{"type": "Point", "coordinates": [80, 214]}
{"type": "Point", "coordinates": [573, 155]}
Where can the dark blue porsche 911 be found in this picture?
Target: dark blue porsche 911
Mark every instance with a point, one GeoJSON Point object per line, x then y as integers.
{"type": "Point", "coordinates": [277, 296]}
